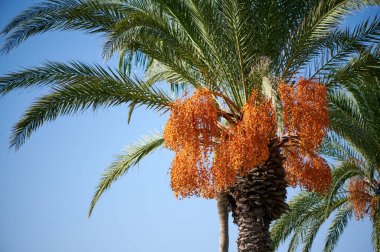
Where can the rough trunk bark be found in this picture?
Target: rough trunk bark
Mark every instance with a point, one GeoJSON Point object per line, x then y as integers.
{"type": "Point", "coordinates": [253, 234]}
{"type": "Point", "coordinates": [259, 198]}
{"type": "Point", "coordinates": [222, 204]}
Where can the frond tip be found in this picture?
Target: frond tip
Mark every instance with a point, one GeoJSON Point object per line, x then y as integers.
{"type": "Point", "coordinates": [133, 155]}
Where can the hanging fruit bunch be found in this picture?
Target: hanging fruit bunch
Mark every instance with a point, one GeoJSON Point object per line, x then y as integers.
{"type": "Point", "coordinates": [363, 198]}
{"type": "Point", "coordinates": [190, 133]}
{"type": "Point", "coordinates": [305, 116]}
{"type": "Point", "coordinates": [214, 145]}
{"type": "Point", "coordinates": [244, 145]}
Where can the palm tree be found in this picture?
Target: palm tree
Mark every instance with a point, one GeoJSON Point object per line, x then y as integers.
{"type": "Point", "coordinates": [232, 48]}
{"type": "Point", "coordinates": [356, 187]}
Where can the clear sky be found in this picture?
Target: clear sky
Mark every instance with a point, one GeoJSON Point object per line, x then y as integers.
{"type": "Point", "coordinates": [46, 187]}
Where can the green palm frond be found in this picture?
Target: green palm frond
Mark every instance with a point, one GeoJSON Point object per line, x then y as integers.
{"type": "Point", "coordinates": [311, 233]}
{"type": "Point", "coordinates": [350, 74]}
{"type": "Point", "coordinates": [343, 46]}
{"type": "Point", "coordinates": [347, 127]}
{"type": "Point", "coordinates": [158, 73]}
{"type": "Point", "coordinates": [77, 87]}
{"type": "Point", "coordinates": [305, 231]}
{"type": "Point", "coordinates": [358, 112]}
{"type": "Point", "coordinates": [305, 224]}
{"type": "Point", "coordinates": [163, 73]}
{"type": "Point", "coordinates": [55, 73]}
{"type": "Point", "coordinates": [329, 14]}
{"type": "Point", "coordinates": [143, 40]}
{"type": "Point", "coordinates": [295, 240]}
{"type": "Point", "coordinates": [289, 221]}
{"type": "Point", "coordinates": [346, 104]}
{"type": "Point", "coordinates": [340, 221]}
{"type": "Point", "coordinates": [93, 16]}
{"type": "Point", "coordinates": [315, 31]}
{"type": "Point", "coordinates": [341, 174]}
{"type": "Point", "coordinates": [168, 42]}
{"type": "Point", "coordinates": [133, 155]}
{"type": "Point", "coordinates": [338, 148]}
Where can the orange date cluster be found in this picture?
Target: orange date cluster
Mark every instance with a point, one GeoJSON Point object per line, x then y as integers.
{"type": "Point", "coordinates": [210, 153]}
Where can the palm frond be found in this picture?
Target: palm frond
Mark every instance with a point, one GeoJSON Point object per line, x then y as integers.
{"type": "Point", "coordinates": [311, 233]}
{"type": "Point", "coordinates": [142, 41]}
{"type": "Point", "coordinates": [343, 46]}
{"type": "Point", "coordinates": [340, 221]}
{"type": "Point", "coordinates": [302, 222]}
{"type": "Point", "coordinates": [93, 16]}
{"type": "Point", "coordinates": [80, 87]}
{"type": "Point", "coordinates": [339, 149]}
{"type": "Point", "coordinates": [354, 110]}
{"type": "Point", "coordinates": [133, 155]}
{"type": "Point", "coordinates": [168, 41]}
{"type": "Point", "coordinates": [296, 239]}
{"type": "Point", "coordinates": [289, 221]}
{"type": "Point", "coordinates": [353, 72]}
{"type": "Point", "coordinates": [348, 128]}
{"type": "Point", "coordinates": [316, 30]}
{"type": "Point", "coordinates": [341, 174]}
{"type": "Point", "coordinates": [56, 74]}
{"type": "Point", "coordinates": [347, 104]}
{"type": "Point", "coordinates": [159, 73]}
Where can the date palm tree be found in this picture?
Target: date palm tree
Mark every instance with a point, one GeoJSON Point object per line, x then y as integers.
{"type": "Point", "coordinates": [356, 187]}
{"type": "Point", "coordinates": [231, 47]}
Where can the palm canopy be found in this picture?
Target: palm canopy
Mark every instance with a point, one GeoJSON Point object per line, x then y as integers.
{"type": "Point", "coordinates": [217, 44]}
{"type": "Point", "coordinates": [355, 190]}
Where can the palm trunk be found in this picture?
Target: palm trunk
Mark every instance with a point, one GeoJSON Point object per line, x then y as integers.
{"type": "Point", "coordinates": [222, 204]}
{"type": "Point", "coordinates": [259, 199]}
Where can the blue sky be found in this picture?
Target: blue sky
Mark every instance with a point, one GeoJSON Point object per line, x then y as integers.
{"type": "Point", "coordinates": [46, 187]}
